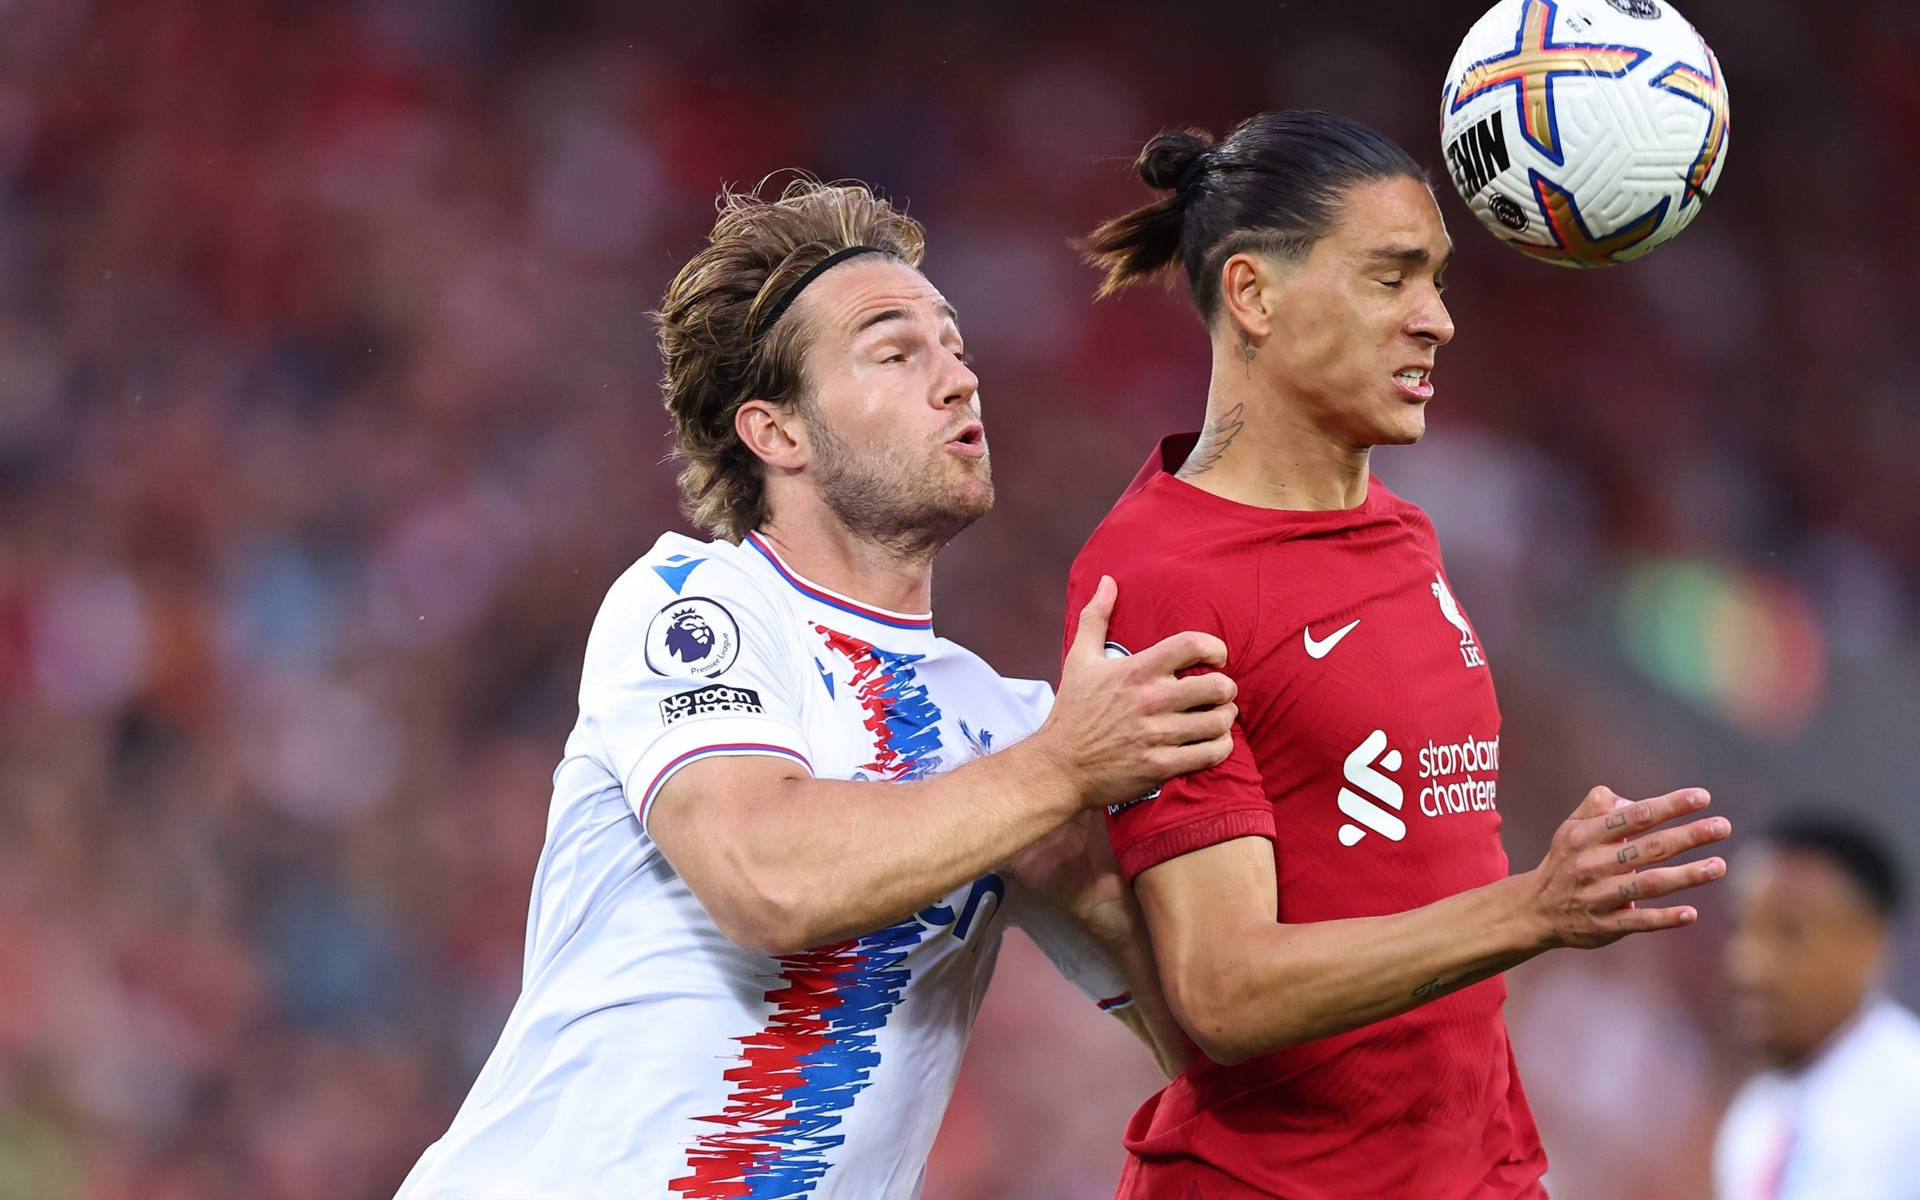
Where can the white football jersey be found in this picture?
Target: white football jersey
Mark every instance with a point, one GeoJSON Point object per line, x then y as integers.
{"type": "Point", "coordinates": [1847, 1124]}
{"type": "Point", "coordinates": [648, 1055]}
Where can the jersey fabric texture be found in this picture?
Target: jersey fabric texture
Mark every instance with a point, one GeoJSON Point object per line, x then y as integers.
{"type": "Point", "coordinates": [1367, 750]}
{"type": "Point", "coordinates": [647, 1054]}
{"type": "Point", "coordinates": [1847, 1123]}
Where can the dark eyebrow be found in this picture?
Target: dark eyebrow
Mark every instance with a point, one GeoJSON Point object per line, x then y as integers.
{"type": "Point", "coordinates": [1412, 256]}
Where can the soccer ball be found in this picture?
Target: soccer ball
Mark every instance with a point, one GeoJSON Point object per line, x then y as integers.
{"type": "Point", "coordinates": [1584, 132]}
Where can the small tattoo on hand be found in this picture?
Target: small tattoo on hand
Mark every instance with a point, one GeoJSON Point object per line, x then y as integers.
{"type": "Point", "coordinates": [1616, 820]}
{"type": "Point", "coordinates": [1629, 853]}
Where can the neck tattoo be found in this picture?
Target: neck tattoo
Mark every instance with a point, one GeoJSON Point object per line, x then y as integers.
{"type": "Point", "coordinates": [1215, 437]}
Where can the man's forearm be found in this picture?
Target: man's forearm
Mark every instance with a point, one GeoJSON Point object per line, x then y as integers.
{"type": "Point", "coordinates": [814, 861]}
{"type": "Point", "coordinates": [1285, 984]}
{"type": "Point", "coordinates": [1150, 1018]}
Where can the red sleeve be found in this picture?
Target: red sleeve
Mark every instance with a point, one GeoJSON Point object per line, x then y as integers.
{"type": "Point", "coordinates": [1189, 812]}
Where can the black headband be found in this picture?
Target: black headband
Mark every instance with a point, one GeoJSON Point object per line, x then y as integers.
{"type": "Point", "coordinates": [787, 298]}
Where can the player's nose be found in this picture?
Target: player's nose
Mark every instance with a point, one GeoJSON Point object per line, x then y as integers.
{"type": "Point", "coordinates": [1431, 321]}
{"type": "Point", "coordinates": [958, 384]}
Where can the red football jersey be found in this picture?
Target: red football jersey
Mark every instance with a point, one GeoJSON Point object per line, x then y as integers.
{"type": "Point", "coordinates": [1368, 751]}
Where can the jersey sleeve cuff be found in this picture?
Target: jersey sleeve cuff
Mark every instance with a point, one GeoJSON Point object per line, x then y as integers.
{"type": "Point", "coordinates": [1185, 839]}
{"type": "Point", "coordinates": [729, 737]}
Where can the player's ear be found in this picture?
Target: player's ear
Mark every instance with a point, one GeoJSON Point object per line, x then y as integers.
{"type": "Point", "coordinates": [774, 433]}
{"type": "Point", "coordinates": [1247, 295]}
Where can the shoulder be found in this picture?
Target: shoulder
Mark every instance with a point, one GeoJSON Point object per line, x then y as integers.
{"type": "Point", "coordinates": [678, 567]}
{"type": "Point", "coordinates": [1390, 504]}
{"type": "Point", "coordinates": [1886, 1046]}
{"type": "Point", "coordinates": [688, 599]}
{"type": "Point", "coordinates": [1147, 525]}
{"type": "Point", "coordinates": [1171, 559]}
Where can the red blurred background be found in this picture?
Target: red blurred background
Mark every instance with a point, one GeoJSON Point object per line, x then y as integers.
{"type": "Point", "coordinates": [327, 414]}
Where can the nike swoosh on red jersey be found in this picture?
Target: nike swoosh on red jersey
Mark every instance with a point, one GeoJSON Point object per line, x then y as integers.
{"type": "Point", "coordinates": [1322, 648]}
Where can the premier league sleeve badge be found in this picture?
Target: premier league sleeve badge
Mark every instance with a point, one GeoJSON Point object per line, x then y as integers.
{"type": "Point", "coordinates": [692, 636]}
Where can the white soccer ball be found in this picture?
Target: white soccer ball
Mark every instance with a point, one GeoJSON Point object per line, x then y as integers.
{"type": "Point", "coordinates": [1584, 132]}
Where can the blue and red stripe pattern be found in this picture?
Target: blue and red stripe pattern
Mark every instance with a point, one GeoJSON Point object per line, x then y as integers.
{"type": "Point", "coordinates": [722, 750]}
{"type": "Point", "coordinates": [1114, 1003]}
{"type": "Point", "coordinates": [797, 1077]}
{"type": "Point", "coordinates": [904, 720]}
{"type": "Point", "coordinates": [834, 599]}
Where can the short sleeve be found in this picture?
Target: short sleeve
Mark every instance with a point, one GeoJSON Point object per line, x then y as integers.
{"type": "Point", "coordinates": [1189, 812]}
{"type": "Point", "coordinates": [676, 675]}
{"type": "Point", "coordinates": [1074, 954]}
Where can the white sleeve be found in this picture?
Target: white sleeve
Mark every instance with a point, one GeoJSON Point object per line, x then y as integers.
{"type": "Point", "coordinates": [1075, 955]}
{"type": "Point", "coordinates": [675, 677]}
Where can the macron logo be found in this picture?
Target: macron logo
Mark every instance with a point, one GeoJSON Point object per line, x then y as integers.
{"type": "Point", "coordinates": [1361, 802]}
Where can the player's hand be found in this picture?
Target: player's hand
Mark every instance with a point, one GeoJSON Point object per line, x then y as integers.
{"type": "Point", "coordinates": [1073, 869]}
{"type": "Point", "coordinates": [1605, 859]}
{"type": "Point", "coordinates": [1123, 725]}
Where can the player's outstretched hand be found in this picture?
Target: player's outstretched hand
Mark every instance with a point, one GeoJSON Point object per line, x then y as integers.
{"type": "Point", "coordinates": [1123, 725]}
{"type": "Point", "coordinates": [1605, 859]}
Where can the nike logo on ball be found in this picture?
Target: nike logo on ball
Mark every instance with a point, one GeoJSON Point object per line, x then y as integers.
{"type": "Point", "coordinates": [1324, 647]}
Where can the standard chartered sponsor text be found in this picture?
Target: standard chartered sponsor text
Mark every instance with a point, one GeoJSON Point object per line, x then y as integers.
{"type": "Point", "coordinates": [1452, 768]}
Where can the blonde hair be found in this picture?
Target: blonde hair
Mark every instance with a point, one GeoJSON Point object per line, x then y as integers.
{"type": "Point", "coordinates": [712, 364]}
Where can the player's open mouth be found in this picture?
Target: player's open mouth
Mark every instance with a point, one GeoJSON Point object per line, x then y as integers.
{"type": "Point", "coordinates": [970, 442]}
{"type": "Point", "coordinates": [1414, 382]}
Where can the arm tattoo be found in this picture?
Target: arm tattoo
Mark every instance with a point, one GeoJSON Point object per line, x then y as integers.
{"type": "Point", "coordinates": [1434, 988]}
{"type": "Point", "coordinates": [1214, 440]}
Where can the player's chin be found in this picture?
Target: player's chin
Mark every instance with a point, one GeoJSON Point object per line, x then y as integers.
{"type": "Point", "coordinates": [1755, 1021]}
{"type": "Point", "coordinates": [976, 499]}
{"type": "Point", "coordinates": [969, 491]}
{"type": "Point", "coordinates": [1403, 426]}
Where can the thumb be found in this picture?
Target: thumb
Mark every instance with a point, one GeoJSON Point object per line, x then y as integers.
{"type": "Point", "coordinates": [1091, 637]}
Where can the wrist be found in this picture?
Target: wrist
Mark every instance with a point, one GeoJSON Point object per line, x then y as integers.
{"type": "Point", "coordinates": [1525, 927]}
{"type": "Point", "coordinates": [1044, 769]}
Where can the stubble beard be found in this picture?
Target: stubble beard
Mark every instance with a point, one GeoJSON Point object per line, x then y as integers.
{"type": "Point", "coordinates": [911, 508]}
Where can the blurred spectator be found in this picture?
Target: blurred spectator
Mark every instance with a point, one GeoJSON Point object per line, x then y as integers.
{"type": "Point", "coordinates": [1837, 1107]}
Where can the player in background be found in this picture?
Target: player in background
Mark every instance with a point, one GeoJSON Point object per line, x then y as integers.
{"type": "Point", "coordinates": [1836, 1111]}
{"type": "Point", "coordinates": [773, 886]}
{"type": "Point", "coordinates": [1330, 906]}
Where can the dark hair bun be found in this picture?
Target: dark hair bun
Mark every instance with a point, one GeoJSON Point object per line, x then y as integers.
{"type": "Point", "coordinates": [1165, 160]}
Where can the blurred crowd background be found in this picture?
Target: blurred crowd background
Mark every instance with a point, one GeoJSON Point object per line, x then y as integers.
{"type": "Point", "coordinates": [328, 413]}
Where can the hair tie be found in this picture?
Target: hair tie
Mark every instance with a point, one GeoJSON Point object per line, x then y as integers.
{"type": "Point", "coordinates": [818, 269]}
{"type": "Point", "coordinates": [1191, 175]}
